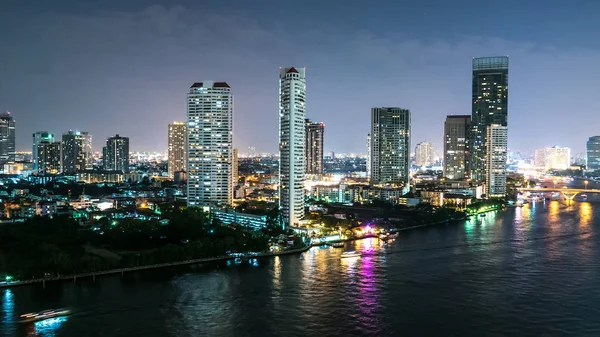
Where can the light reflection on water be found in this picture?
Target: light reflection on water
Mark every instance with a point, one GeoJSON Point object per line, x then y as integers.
{"type": "Point", "coordinates": [8, 309]}
{"type": "Point", "coordinates": [490, 276]}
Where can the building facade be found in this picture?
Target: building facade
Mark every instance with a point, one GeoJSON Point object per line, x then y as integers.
{"type": "Point", "coordinates": [76, 151]}
{"type": "Point", "coordinates": [390, 146]}
{"type": "Point", "coordinates": [115, 155]}
{"type": "Point", "coordinates": [424, 154]}
{"type": "Point", "coordinates": [210, 144]}
{"type": "Point", "coordinates": [38, 137]}
{"type": "Point", "coordinates": [7, 139]}
{"type": "Point", "coordinates": [368, 162]}
{"type": "Point", "coordinates": [292, 115]}
{"type": "Point", "coordinates": [553, 158]}
{"type": "Point", "coordinates": [48, 157]}
{"type": "Point", "coordinates": [314, 147]}
{"type": "Point", "coordinates": [490, 106]}
{"type": "Point", "coordinates": [177, 148]}
{"type": "Point", "coordinates": [592, 159]}
{"type": "Point", "coordinates": [235, 172]}
{"type": "Point", "coordinates": [457, 147]}
{"type": "Point", "coordinates": [497, 151]}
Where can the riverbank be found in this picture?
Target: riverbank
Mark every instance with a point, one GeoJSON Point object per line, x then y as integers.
{"type": "Point", "coordinates": [212, 259]}
{"type": "Point", "coordinates": [148, 267]}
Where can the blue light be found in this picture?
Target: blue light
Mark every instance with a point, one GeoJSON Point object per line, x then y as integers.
{"type": "Point", "coordinates": [49, 326]}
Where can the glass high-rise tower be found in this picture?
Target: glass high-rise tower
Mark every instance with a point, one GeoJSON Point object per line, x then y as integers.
{"type": "Point", "coordinates": [314, 147]}
{"type": "Point", "coordinates": [490, 106]}
{"type": "Point", "coordinates": [39, 137]}
{"type": "Point", "coordinates": [390, 146]}
{"type": "Point", "coordinates": [457, 147]}
{"type": "Point", "coordinates": [593, 153]}
{"type": "Point", "coordinates": [115, 155]}
{"type": "Point", "coordinates": [210, 144]}
{"type": "Point", "coordinates": [292, 137]}
{"type": "Point", "coordinates": [7, 139]}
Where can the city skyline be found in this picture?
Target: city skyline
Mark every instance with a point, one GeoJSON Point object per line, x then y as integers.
{"type": "Point", "coordinates": [438, 62]}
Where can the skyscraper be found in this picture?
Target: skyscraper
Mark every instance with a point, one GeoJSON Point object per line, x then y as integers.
{"type": "Point", "coordinates": [235, 172]}
{"type": "Point", "coordinates": [7, 139]}
{"type": "Point", "coordinates": [497, 149]}
{"type": "Point", "coordinates": [490, 106]}
{"type": "Point", "coordinates": [177, 148]}
{"type": "Point", "coordinates": [76, 151]}
{"type": "Point", "coordinates": [314, 147]}
{"type": "Point", "coordinates": [87, 150]}
{"type": "Point", "coordinates": [292, 115]}
{"type": "Point", "coordinates": [390, 146]}
{"type": "Point", "coordinates": [115, 155]}
{"type": "Point", "coordinates": [48, 157]}
{"type": "Point", "coordinates": [38, 137]}
{"type": "Point", "coordinates": [424, 154]}
{"type": "Point", "coordinates": [457, 147]}
{"type": "Point", "coordinates": [593, 153]}
{"type": "Point", "coordinates": [368, 164]}
{"type": "Point", "coordinates": [210, 144]}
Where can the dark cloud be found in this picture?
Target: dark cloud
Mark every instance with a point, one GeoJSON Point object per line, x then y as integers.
{"type": "Point", "coordinates": [127, 72]}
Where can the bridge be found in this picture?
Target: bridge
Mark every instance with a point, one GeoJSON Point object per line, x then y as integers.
{"type": "Point", "coordinates": [568, 193]}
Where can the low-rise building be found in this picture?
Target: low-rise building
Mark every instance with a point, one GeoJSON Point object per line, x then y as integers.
{"type": "Point", "coordinates": [228, 216]}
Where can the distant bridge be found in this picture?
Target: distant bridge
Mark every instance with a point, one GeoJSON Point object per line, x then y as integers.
{"type": "Point", "coordinates": [568, 193]}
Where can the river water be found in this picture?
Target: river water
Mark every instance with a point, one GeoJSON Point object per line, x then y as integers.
{"type": "Point", "coordinates": [530, 271]}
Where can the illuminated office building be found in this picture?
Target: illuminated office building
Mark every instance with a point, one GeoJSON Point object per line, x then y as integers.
{"type": "Point", "coordinates": [210, 144]}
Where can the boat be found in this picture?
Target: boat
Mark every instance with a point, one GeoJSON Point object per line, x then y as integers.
{"type": "Point", "coordinates": [349, 254]}
{"type": "Point", "coordinates": [42, 315]}
{"type": "Point", "coordinates": [337, 245]}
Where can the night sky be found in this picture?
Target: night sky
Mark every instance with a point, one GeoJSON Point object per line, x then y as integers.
{"type": "Point", "coordinates": [125, 66]}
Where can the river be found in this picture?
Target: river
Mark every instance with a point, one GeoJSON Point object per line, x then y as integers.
{"type": "Point", "coordinates": [530, 271]}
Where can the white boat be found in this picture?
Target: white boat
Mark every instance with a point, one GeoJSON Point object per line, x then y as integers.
{"type": "Point", "coordinates": [42, 315]}
{"type": "Point", "coordinates": [349, 254]}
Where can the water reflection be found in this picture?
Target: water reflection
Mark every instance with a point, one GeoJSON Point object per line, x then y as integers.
{"type": "Point", "coordinates": [46, 328]}
{"type": "Point", "coordinates": [8, 309]}
{"type": "Point", "coordinates": [368, 295]}
{"type": "Point", "coordinates": [585, 214]}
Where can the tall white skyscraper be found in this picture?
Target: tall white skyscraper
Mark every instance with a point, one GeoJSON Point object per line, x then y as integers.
{"type": "Point", "coordinates": [497, 149]}
{"type": "Point", "coordinates": [210, 144]}
{"type": "Point", "coordinates": [424, 154]}
{"type": "Point", "coordinates": [292, 114]}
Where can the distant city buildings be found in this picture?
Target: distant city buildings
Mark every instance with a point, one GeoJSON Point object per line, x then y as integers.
{"type": "Point", "coordinates": [177, 148]}
{"type": "Point", "coordinates": [496, 151]}
{"type": "Point", "coordinates": [292, 115]}
{"type": "Point", "coordinates": [457, 147]}
{"type": "Point", "coordinates": [7, 139]}
{"type": "Point", "coordinates": [210, 144]}
{"type": "Point", "coordinates": [553, 158]}
{"type": "Point", "coordinates": [115, 155]}
{"type": "Point", "coordinates": [390, 146]}
{"type": "Point", "coordinates": [38, 137]}
{"type": "Point", "coordinates": [593, 153]}
{"type": "Point", "coordinates": [314, 147]}
{"type": "Point", "coordinates": [424, 154]}
{"type": "Point", "coordinates": [48, 159]}
{"type": "Point", "coordinates": [490, 106]}
{"type": "Point", "coordinates": [76, 151]}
